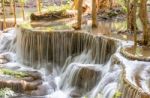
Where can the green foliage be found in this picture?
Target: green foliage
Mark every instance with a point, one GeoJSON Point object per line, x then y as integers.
{"type": "Point", "coordinates": [84, 97]}
{"type": "Point", "coordinates": [68, 1]}
{"type": "Point", "coordinates": [6, 93]}
{"type": "Point", "coordinates": [57, 8]}
{"type": "Point", "coordinates": [57, 27]}
{"type": "Point", "coordinates": [112, 14]}
{"type": "Point", "coordinates": [49, 28]}
{"type": "Point", "coordinates": [117, 94]}
{"type": "Point", "coordinates": [26, 25]}
{"type": "Point", "coordinates": [122, 4]}
{"type": "Point", "coordinates": [22, 1]}
{"type": "Point", "coordinates": [13, 73]}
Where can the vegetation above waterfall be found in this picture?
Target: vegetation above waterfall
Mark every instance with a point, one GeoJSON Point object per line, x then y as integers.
{"type": "Point", "coordinates": [47, 28]}
{"type": "Point", "coordinates": [55, 8]}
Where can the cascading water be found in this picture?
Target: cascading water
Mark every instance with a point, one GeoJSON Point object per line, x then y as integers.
{"type": "Point", "coordinates": [36, 48]}
{"type": "Point", "coordinates": [83, 77]}
{"type": "Point", "coordinates": [79, 55]}
{"type": "Point", "coordinates": [75, 65]}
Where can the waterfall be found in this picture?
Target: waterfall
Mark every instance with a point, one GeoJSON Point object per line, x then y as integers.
{"type": "Point", "coordinates": [82, 77]}
{"type": "Point", "coordinates": [81, 56]}
{"type": "Point", "coordinates": [39, 48]}
{"type": "Point", "coordinates": [7, 41]}
{"type": "Point", "coordinates": [77, 64]}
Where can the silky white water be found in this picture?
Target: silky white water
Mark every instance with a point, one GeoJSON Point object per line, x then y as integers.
{"type": "Point", "coordinates": [74, 64]}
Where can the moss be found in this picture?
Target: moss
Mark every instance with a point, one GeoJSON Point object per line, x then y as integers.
{"type": "Point", "coordinates": [49, 28]}
{"type": "Point", "coordinates": [61, 27]}
{"type": "Point", "coordinates": [50, 9]}
{"type": "Point", "coordinates": [16, 74]}
{"type": "Point", "coordinates": [51, 13]}
{"type": "Point", "coordinates": [26, 25]}
{"type": "Point", "coordinates": [112, 14]}
{"type": "Point", "coordinates": [117, 94]}
{"type": "Point", "coordinates": [6, 93]}
{"type": "Point", "coordinates": [57, 27]}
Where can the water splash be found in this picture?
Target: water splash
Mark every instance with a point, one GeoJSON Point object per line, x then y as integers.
{"type": "Point", "coordinates": [76, 64]}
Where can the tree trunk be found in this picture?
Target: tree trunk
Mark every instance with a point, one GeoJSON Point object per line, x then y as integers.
{"type": "Point", "coordinates": [128, 14]}
{"type": "Point", "coordinates": [11, 7]}
{"type": "Point", "coordinates": [144, 19]}
{"type": "Point", "coordinates": [98, 4]}
{"type": "Point", "coordinates": [14, 12]}
{"type": "Point", "coordinates": [39, 6]}
{"type": "Point", "coordinates": [22, 8]}
{"type": "Point", "coordinates": [80, 10]}
{"type": "Point", "coordinates": [134, 10]}
{"type": "Point", "coordinates": [75, 4]}
{"type": "Point", "coordinates": [110, 4]}
{"type": "Point", "coordinates": [4, 14]}
{"type": "Point", "coordinates": [94, 14]}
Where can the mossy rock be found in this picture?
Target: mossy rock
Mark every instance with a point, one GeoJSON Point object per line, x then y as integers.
{"type": "Point", "coordinates": [52, 13]}
{"type": "Point", "coordinates": [16, 74]}
{"type": "Point", "coordinates": [112, 14]}
{"type": "Point", "coordinates": [19, 81]}
{"type": "Point", "coordinates": [131, 53]}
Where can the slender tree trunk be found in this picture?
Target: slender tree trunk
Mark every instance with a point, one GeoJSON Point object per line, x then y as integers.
{"type": "Point", "coordinates": [110, 4]}
{"type": "Point", "coordinates": [80, 10]}
{"type": "Point", "coordinates": [101, 4]}
{"type": "Point", "coordinates": [128, 13]}
{"type": "Point", "coordinates": [22, 8]}
{"type": "Point", "coordinates": [75, 4]}
{"type": "Point", "coordinates": [39, 6]}
{"type": "Point", "coordinates": [4, 14]}
{"type": "Point", "coordinates": [134, 10]}
{"type": "Point", "coordinates": [144, 19]}
{"type": "Point", "coordinates": [14, 12]}
{"type": "Point", "coordinates": [94, 14]}
{"type": "Point", "coordinates": [11, 6]}
{"type": "Point", "coordinates": [98, 4]}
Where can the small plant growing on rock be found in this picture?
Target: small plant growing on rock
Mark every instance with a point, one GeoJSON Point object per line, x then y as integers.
{"type": "Point", "coordinates": [117, 94]}
{"type": "Point", "coordinates": [6, 93]}
{"type": "Point", "coordinates": [13, 73]}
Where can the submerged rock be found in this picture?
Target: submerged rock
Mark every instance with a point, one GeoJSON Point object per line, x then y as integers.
{"type": "Point", "coordinates": [83, 77]}
{"type": "Point", "coordinates": [3, 61]}
{"type": "Point", "coordinates": [7, 57]}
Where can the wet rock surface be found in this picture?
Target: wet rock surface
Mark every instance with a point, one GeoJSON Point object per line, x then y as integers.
{"type": "Point", "coordinates": [112, 14]}
{"type": "Point", "coordinates": [69, 43]}
{"type": "Point", "coordinates": [83, 78]}
{"type": "Point", "coordinates": [19, 81]}
{"type": "Point", "coordinates": [139, 53]}
{"type": "Point", "coordinates": [51, 16]}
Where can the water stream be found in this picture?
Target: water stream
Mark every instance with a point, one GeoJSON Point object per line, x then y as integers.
{"type": "Point", "coordinates": [74, 64]}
